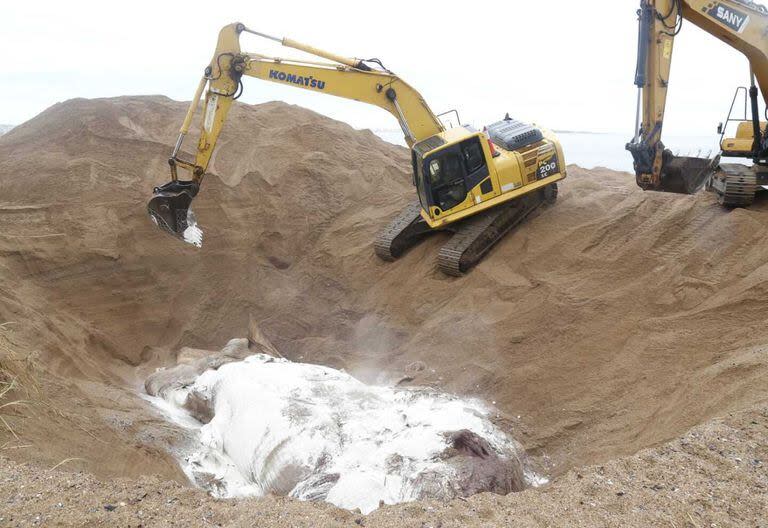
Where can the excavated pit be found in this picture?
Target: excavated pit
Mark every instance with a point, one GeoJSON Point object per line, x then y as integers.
{"type": "Point", "coordinates": [264, 425]}
{"type": "Point", "coordinates": [614, 321]}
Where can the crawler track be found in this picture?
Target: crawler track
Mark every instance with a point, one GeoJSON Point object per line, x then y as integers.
{"type": "Point", "coordinates": [472, 238]}
{"type": "Point", "coordinates": [735, 185]}
{"type": "Point", "coordinates": [402, 233]}
{"type": "Point", "coordinates": [475, 236]}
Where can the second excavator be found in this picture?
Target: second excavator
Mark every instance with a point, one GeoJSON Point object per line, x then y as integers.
{"type": "Point", "coordinates": [477, 184]}
{"type": "Point", "coordinates": [743, 25]}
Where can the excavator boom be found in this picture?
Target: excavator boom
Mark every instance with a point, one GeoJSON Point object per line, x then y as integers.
{"type": "Point", "coordinates": [343, 77]}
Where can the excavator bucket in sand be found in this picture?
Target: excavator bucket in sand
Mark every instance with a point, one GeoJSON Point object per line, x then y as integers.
{"type": "Point", "coordinates": [679, 174]}
{"type": "Point", "coordinates": [170, 209]}
{"type": "Point", "coordinates": [685, 175]}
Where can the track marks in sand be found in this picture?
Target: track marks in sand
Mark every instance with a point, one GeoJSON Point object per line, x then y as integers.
{"type": "Point", "coordinates": [689, 234]}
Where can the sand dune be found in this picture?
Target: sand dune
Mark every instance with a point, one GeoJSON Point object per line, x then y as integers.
{"type": "Point", "coordinates": [613, 321]}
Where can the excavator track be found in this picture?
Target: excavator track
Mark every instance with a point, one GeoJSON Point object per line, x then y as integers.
{"type": "Point", "coordinates": [478, 234]}
{"type": "Point", "coordinates": [403, 232]}
{"type": "Point", "coordinates": [735, 185]}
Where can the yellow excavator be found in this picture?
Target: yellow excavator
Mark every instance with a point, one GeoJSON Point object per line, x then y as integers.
{"type": "Point", "coordinates": [476, 184]}
{"type": "Point", "coordinates": [741, 24]}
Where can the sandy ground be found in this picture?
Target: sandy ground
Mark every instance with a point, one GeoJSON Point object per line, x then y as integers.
{"type": "Point", "coordinates": [614, 321]}
{"type": "Point", "coordinates": [715, 475]}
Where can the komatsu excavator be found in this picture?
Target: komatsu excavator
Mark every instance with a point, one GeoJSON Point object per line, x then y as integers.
{"type": "Point", "coordinates": [476, 184]}
{"type": "Point", "coordinates": [741, 24]}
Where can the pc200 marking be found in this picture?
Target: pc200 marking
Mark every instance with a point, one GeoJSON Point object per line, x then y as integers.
{"type": "Point", "coordinates": [734, 19]}
{"type": "Point", "coordinates": [548, 167]}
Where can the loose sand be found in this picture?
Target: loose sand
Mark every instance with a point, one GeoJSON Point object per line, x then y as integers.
{"type": "Point", "coordinates": [714, 476]}
{"type": "Point", "coordinates": [614, 321]}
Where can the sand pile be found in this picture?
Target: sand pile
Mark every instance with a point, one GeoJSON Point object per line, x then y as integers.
{"type": "Point", "coordinates": [616, 320]}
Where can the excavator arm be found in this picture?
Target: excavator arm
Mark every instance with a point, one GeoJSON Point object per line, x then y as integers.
{"type": "Point", "coordinates": [360, 80]}
{"type": "Point", "coordinates": [741, 24]}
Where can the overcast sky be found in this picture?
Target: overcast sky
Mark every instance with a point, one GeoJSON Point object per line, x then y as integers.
{"type": "Point", "coordinates": [561, 63]}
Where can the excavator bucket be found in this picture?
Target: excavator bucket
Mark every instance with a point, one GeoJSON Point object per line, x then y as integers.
{"type": "Point", "coordinates": [170, 209]}
{"type": "Point", "coordinates": [685, 175]}
{"type": "Point", "coordinates": [679, 174]}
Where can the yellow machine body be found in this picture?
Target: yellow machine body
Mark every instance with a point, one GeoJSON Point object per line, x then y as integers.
{"type": "Point", "coordinates": [511, 174]}
{"type": "Point", "coordinates": [476, 176]}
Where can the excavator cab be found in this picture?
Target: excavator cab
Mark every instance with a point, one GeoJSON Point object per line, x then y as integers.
{"type": "Point", "coordinates": [740, 146]}
{"type": "Point", "coordinates": [445, 173]}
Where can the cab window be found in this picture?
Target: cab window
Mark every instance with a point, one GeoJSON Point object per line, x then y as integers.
{"type": "Point", "coordinates": [445, 169]}
{"type": "Point", "coordinates": [474, 162]}
{"type": "Point", "coordinates": [446, 179]}
{"type": "Point", "coordinates": [473, 156]}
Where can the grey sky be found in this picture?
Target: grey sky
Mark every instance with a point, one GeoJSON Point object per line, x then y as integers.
{"type": "Point", "coordinates": [561, 63]}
